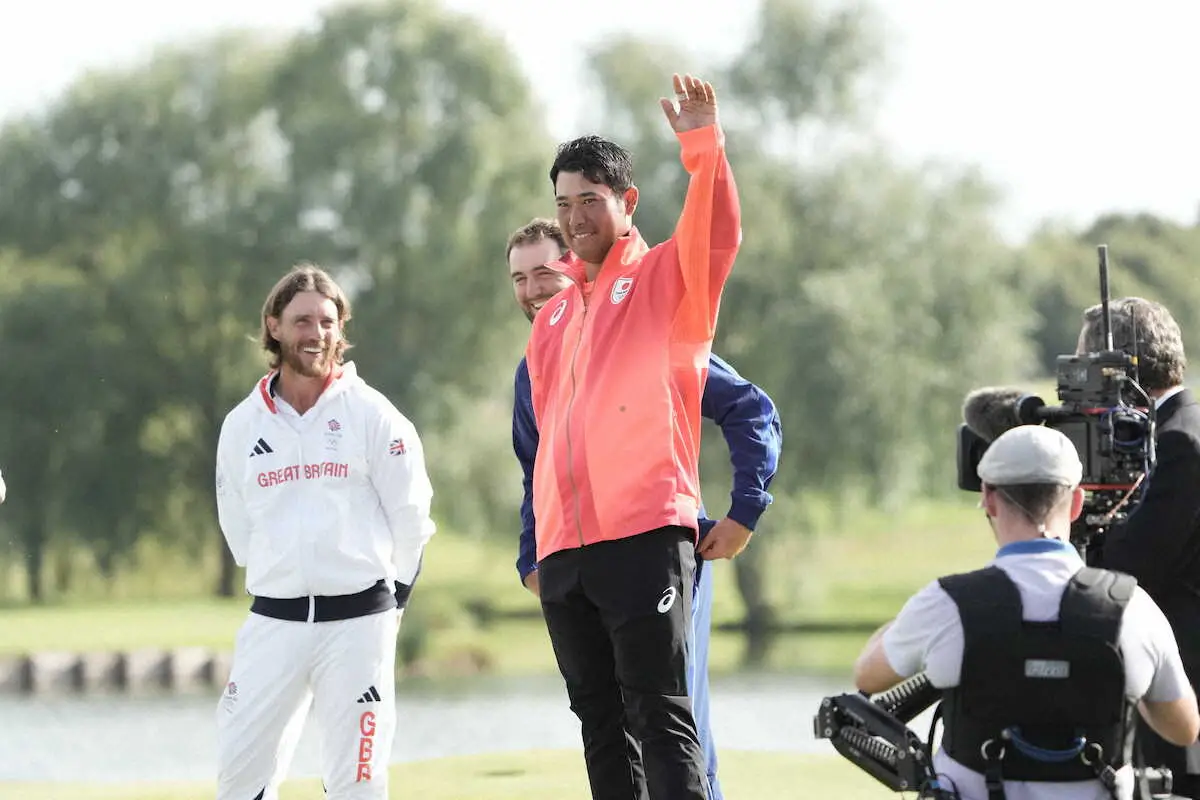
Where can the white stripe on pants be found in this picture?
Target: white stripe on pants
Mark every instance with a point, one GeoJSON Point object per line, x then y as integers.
{"type": "Point", "coordinates": [280, 668]}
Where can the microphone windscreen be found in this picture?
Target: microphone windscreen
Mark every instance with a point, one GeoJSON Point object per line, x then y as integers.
{"type": "Point", "coordinates": [992, 410]}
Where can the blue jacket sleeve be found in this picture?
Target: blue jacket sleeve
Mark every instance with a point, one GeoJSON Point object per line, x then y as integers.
{"type": "Point", "coordinates": [750, 423]}
{"type": "Point", "coordinates": [525, 445]}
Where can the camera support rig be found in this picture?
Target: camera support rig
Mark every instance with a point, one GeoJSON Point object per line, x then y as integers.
{"type": "Point", "coordinates": [873, 734]}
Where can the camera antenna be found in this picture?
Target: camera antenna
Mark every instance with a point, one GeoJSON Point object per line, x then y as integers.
{"type": "Point", "coordinates": [1106, 312]}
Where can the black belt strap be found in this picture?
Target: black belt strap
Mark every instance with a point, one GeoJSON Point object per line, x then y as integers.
{"type": "Point", "coordinates": [993, 777]}
{"type": "Point", "coordinates": [327, 608]}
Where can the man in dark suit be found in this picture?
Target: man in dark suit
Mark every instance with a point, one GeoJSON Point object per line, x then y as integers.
{"type": "Point", "coordinates": [1160, 542]}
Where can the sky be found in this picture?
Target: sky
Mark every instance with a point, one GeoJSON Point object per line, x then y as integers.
{"type": "Point", "coordinates": [1072, 108]}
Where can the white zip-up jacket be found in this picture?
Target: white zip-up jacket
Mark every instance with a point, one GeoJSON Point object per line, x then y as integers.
{"type": "Point", "coordinates": [326, 503]}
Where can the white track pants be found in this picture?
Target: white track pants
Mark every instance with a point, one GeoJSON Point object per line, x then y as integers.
{"type": "Point", "coordinates": [344, 670]}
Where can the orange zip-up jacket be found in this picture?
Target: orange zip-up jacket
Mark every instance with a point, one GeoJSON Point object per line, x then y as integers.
{"type": "Point", "coordinates": [617, 368]}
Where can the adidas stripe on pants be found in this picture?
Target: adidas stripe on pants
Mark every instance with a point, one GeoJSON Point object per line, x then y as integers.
{"type": "Point", "coordinates": [343, 671]}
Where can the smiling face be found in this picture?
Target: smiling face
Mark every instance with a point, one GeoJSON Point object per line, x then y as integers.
{"type": "Point", "coordinates": [290, 325]}
{"type": "Point", "coordinates": [533, 282]}
{"type": "Point", "coordinates": [308, 331]}
{"type": "Point", "coordinates": [592, 216]}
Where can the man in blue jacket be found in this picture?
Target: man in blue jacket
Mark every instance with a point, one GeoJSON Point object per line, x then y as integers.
{"type": "Point", "coordinates": [746, 416]}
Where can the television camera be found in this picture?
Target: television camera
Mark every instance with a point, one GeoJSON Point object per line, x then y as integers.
{"type": "Point", "coordinates": [1103, 411]}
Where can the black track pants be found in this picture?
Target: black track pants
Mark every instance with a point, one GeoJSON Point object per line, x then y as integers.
{"type": "Point", "coordinates": [619, 615]}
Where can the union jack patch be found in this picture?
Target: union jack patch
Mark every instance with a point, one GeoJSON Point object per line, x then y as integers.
{"type": "Point", "coordinates": [396, 448]}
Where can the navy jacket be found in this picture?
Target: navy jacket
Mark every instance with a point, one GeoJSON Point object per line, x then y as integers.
{"type": "Point", "coordinates": [745, 414]}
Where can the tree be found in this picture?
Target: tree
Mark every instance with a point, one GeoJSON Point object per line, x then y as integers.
{"type": "Point", "coordinates": [416, 148]}
{"type": "Point", "coordinates": [1148, 257]}
{"type": "Point", "coordinates": [395, 144]}
{"type": "Point", "coordinates": [870, 270]}
{"type": "Point", "coordinates": [50, 437]}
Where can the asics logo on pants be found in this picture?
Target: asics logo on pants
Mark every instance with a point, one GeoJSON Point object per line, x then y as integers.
{"type": "Point", "coordinates": [668, 600]}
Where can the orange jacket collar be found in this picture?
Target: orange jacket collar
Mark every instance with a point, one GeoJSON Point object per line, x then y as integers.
{"type": "Point", "coordinates": [628, 249]}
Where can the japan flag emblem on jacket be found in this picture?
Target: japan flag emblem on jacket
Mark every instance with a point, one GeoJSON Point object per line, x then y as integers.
{"type": "Point", "coordinates": [620, 289]}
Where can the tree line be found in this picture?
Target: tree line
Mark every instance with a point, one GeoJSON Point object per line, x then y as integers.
{"type": "Point", "coordinates": [147, 210]}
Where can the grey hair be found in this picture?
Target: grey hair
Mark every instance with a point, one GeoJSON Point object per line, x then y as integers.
{"type": "Point", "coordinates": [1140, 328]}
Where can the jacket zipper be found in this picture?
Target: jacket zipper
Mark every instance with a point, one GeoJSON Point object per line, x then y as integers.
{"type": "Point", "coordinates": [570, 408]}
{"type": "Point", "coordinates": [304, 558]}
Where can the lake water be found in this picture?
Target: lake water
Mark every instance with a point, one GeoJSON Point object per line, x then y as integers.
{"type": "Point", "coordinates": [121, 738]}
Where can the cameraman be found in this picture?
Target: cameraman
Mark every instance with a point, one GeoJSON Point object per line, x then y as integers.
{"type": "Point", "coordinates": [1159, 544]}
{"type": "Point", "coordinates": [1035, 650]}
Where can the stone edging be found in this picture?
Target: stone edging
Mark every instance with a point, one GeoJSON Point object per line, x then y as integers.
{"type": "Point", "coordinates": [176, 670]}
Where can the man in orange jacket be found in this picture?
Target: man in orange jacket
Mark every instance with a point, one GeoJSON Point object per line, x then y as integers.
{"type": "Point", "coordinates": [617, 364]}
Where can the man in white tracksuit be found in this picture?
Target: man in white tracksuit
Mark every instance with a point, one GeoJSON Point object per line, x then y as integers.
{"type": "Point", "coordinates": [322, 495]}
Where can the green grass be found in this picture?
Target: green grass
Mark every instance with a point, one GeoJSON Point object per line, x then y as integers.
{"type": "Point", "coordinates": [457, 569]}
{"type": "Point", "coordinates": [868, 573]}
{"type": "Point", "coordinates": [125, 625]}
{"type": "Point", "coordinates": [528, 775]}
{"type": "Point", "coordinates": [862, 568]}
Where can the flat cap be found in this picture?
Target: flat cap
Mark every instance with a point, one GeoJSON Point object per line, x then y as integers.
{"type": "Point", "coordinates": [1031, 454]}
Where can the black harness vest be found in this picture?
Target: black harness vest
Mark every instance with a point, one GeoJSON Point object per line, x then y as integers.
{"type": "Point", "coordinates": [1040, 701]}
